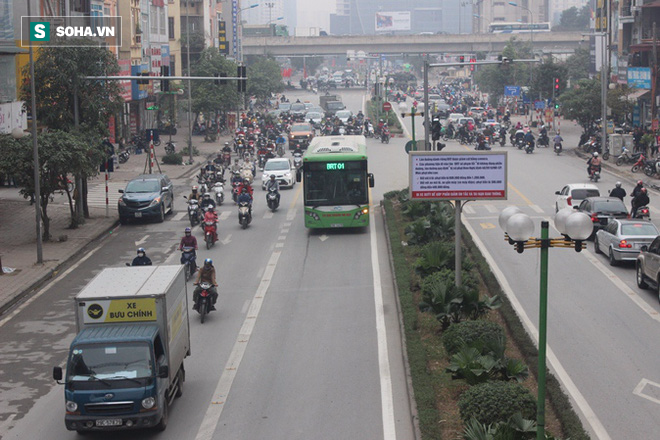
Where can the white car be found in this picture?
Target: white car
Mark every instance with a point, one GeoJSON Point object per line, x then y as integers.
{"type": "Point", "coordinates": [283, 170]}
{"type": "Point", "coordinates": [572, 194]}
{"type": "Point", "coordinates": [343, 115]}
{"type": "Point", "coordinates": [315, 117]}
{"type": "Point", "coordinates": [454, 117]}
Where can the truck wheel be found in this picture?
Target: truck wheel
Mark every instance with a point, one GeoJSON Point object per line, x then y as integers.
{"type": "Point", "coordinates": [162, 425]}
{"type": "Point", "coordinates": [179, 388]}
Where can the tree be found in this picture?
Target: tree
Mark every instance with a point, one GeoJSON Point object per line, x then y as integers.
{"type": "Point", "coordinates": [618, 102]}
{"type": "Point", "coordinates": [60, 73]}
{"type": "Point", "coordinates": [310, 63]}
{"type": "Point", "coordinates": [197, 44]}
{"type": "Point", "coordinates": [210, 98]}
{"type": "Point", "coordinates": [492, 79]}
{"type": "Point", "coordinates": [578, 64]}
{"type": "Point", "coordinates": [544, 79]}
{"type": "Point", "coordinates": [582, 103]}
{"type": "Point", "coordinates": [574, 19]}
{"type": "Point", "coordinates": [264, 78]}
{"type": "Point", "coordinates": [60, 153]}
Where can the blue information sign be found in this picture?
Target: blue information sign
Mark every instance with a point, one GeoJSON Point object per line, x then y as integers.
{"type": "Point", "coordinates": [639, 77]}
{"type": "Point", "coordinates": [539, 105]}
{"type": "Point", "coordinates": [511, 90]}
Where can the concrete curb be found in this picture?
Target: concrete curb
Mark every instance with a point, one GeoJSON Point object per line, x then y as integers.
{"type": "Point", "coordinates": [53, 273]}
{"type": "Point", "coordinates": [412, 403]}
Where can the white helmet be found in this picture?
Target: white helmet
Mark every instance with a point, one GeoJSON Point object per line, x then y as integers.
{"type": "Point", "coordinates": [595, 154]}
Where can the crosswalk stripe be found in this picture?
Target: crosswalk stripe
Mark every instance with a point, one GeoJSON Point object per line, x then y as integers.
{"type": "Point", "coordinates": [469, 210]}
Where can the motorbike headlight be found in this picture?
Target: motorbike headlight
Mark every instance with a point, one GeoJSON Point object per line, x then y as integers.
{"type": "Point", "coordinates": [148, 402]}
{"type": "Point", "coordinates": [71, 406]}
{"type": "Point", "coordinates": [155, 201]}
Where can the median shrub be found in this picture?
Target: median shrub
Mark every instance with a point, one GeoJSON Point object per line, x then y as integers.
{"type": "Point", "coordinates": [173, 159]}
{"type": "Point", "coordinates": [468, 332]}
{"type": "Point", "coordinates": [447, 275]}
{"type": "Point", "coordinates": [494, 402]}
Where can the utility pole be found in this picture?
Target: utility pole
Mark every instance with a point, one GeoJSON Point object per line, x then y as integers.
{"type": "Point", "coordinates": [654, 74]}
{"type": "Point", "coordinates": [190, 150]}
{"type": "Point", "coordinates": [426, 105]}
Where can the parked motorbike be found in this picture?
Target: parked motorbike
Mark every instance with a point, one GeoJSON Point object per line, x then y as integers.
{"type": "Point", "coordinates": [194, 213]}
{"type": "Point", "coordinates": [123, 156]}
{"type": "Point", "coordinates": [639, 165]}
{"type": "Point", "coordinates": [190, 265]}
{"type": "Point", "coordinates": [204, 301]}
{"type": "Point", "coordinates": [272, 199]}
{"type": "Point", "coordinates": [652, 167]}
{"type": "Point", "coordinates": [244, 215]}
{"type": "Point", "coordinates": [170, 147]}
{"type": "Point", "coordinates": [627, 157]}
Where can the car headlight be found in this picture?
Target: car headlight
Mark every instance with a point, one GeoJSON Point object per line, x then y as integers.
{"type": "Point", "coordinates": [148, 402]}
{"type": "Point", "coordinates": [121, 202]}
{"type": "Point", "coordinates": [155, 201]}
{"type": "Point", "coordinates": [287, 174]}
{"type": "Point", "coordinates": [71, 406]}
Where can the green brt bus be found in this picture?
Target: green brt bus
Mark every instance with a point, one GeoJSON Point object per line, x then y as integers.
{"type": "Point", "coordinates": [336, 182]}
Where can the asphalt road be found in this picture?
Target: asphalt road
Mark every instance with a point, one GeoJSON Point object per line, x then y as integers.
{"type": "Point", "coordinates": [601, 327]}
{"type": "Point", "coordinates": [305, 342]}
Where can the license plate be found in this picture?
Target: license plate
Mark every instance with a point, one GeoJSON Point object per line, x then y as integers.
{"type": "Point", "coordinates": [336, 225]}
{"type": "Point", "coordinates": [108, 422]}
{"type": "Point", "coordinates": [138, 214]}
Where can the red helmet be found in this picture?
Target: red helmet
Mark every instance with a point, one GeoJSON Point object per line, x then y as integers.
{"type": "Point", "coordinates": [639, 182]}
{"type": "Point", "coordinates": [644, 190]}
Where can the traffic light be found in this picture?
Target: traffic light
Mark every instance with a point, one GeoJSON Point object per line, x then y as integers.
{"type": "Point", "coordinates": [556, 84]}
{"type": "Point", "coordinates": [461, 59]}
{"type": "Point", "coordinates": [472, 60]}
{"type": "Point", "coordinates": [242, 82]}
{"type": "Point", "coordinates": [165, 83]}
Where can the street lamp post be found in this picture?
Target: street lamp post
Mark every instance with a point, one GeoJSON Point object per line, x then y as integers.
{"type": "Point", "coordinates": [575, 228]}
{"type": "Point", "coordinates": [531, 34]}
{"type": "Point", "coordinates": [35, 151]}
{"type": "Point", "coordinates": [239, 55]}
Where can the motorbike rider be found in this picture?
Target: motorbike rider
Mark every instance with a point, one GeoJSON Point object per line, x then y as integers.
{"type": "Point", "coordinates": [211, 216]}
{"type": "Point", "coordinates": [529, 138]}
{"type": "Point", "coordinates": [641, 199]}
{"type": "Point", "coordinates": [226, 148]}
{"type": "Point", "coordinates": [637, 189]}
{"type": "Point", "coordinates": [141, 259]}
{"type": "Point", "coordinates": [273, 183]}
{"type": "Point", "coordinates": [189, 240]}
{"type": "Point", "coordinates": [558, 139]}
{"type": "Point", "coordinates": [297, 150]}
{"type": "Point", "coordinates": [246, 184]}
{"type": "Point", "coordinates": [519, 126]}
{"type": "Point", "coordinates": [436, 130]}
{"type": "Point", "coordinates": [593, 164]}
{"type": "Point", "coordinates": [194, 194]}
{"type": "Point", "coordinates": [245, 197]}
{"type": "Point", "coordinates": [206, 275]}
{"type": "Point", "coordinates": [503, 133]}
{"type": "Point", "coordinates": [206, 202]}
{"type": "Point", "coordinates": [210, 167]}
{"type": "Point", "coordinates": [618, 191]}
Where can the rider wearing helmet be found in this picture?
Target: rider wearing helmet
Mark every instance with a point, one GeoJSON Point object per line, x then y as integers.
{"type": "Point", "coordinates": [207, 201]}
{"type": "Point", "coordinates": [194, 194]}
{"type": "Point", "coordinates": [141, 259]}
{"type": "Point", "coordinates": [297, 150]}
{"type": "Point", "coordinates": [211, 216]}
{"type": "Point", "coordinates": [189, 241]}
{"type": "Point", "coordinates": [246, 185]}
{"type": "Point", "coordinates": [206, 275]}
{"type": "Point", "coordinates": [618, 191]}
{"type": "Point", "coordinates": [226, 148]}
{"type": "Point", "coordinates": [641, 199]}
{"type": "Point", "coordinates": [593, 164]}
{"type": "Point", "coordinates": [273, 183]}
{"type": "Point", "coordinates": [637, 188]}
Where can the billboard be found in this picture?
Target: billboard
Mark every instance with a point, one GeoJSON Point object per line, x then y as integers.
{"type": "Point", "coordinates": [639, 77]}
{"type": "Point", "coordinates": [392, 21]}
{"type": "Point", "coordinates": [455, 176]}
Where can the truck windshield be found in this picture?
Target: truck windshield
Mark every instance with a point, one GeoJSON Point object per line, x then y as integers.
{"type": "Point", "coordinates": [110, 362]}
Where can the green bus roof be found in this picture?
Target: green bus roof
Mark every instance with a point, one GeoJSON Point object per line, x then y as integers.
{"type": "Point", "coordinates": [329, 148]}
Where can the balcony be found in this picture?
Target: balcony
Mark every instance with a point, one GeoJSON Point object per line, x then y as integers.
{"type": "Point", "coordinates": [627, 14]}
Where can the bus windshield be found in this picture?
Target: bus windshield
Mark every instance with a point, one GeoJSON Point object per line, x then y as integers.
{"type": "Point", "coordinates": [336, 183]}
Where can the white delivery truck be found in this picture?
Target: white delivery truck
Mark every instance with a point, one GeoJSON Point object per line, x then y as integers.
{"type": "Point", "coordinates": [125, 365]}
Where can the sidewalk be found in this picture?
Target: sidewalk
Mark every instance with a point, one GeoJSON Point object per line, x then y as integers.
{"type": "Point", "coordinates": [18, 245]}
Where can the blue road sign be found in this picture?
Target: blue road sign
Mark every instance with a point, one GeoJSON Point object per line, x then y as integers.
{"type": "Point", "coordinates": [511, 90]}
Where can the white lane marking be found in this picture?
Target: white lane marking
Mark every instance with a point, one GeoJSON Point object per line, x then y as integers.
{"type": "Point", "coordinates": [281, 237]}
{"type": "Point", "coordinates": [142, 240]}
{"type": "Point", "coordinates": [323, 237]}
{"type": "Point", "coordinates": [279, 245]}
{"type": "Point", "coordinates": [179, 216]}
{"type": "Point", "coordinates": [286, 224]}
{"type": "Point", "coordinates": [387, 402]}
{"type": "Point", "coordinates": [589, 414]}
{"type": "Point", "coordinates": [490, 208]}
{"type": "Point", "coordinates": [646, 308]}
{"type": "Point", "coordinates": [469, 210]}
{"type": "Point", "coordinates": [284, 230]}
{"type": "Point", "coordinates": [268, 214]}
{"type": "Point", "coordinates": [245, 306]}
{"type": "Point", "coordinates": [639, 390]}
{"type": "Point", "coordinates": [226, 240]}
{"type": "Point", "coordinates": [260, 272]}
{"type": "Point", "coordinates": [290, 215]}
{"type": "Point", "coordinates": [224, 215]}
{"type": "Point", "coordinates": [491, 217]}
{"type": "Point", "coordinates": [537, 208]}
{"type": "Point", "coordinates": [217, 404]}
{"type": "Point", "coordinates": [18, 309]}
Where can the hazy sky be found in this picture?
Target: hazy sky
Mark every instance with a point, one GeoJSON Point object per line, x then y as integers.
{"type": "Point", "coordinates": [315, 13]}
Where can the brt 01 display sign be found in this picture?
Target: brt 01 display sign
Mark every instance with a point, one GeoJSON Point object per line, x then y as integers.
{"type": "Point", "coordinates": [458, 176]}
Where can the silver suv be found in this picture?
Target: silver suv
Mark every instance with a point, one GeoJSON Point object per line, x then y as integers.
{"type": "Point", "coordinates": [648, 266]}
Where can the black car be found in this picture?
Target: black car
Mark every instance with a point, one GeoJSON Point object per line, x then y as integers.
{"type": "Point", "coordinates": [146, 196]}
{"type": "Point", "coordinates": [602, 209]}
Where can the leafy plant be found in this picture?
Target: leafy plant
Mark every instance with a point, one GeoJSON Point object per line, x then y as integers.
{"type": "Point", "coordinates": [435, 256]}
{"type": "Point", "coordinates": [444, 302]}
{"type": "Point", "coordinates": [516, 428]}
{"type": "Point", "coordinates": [475, 305]}
{"type": "Point", "coordinates": [469, 332]}
{"type": "Point", "coordinates": [448, 276]}
{"type": "Point", "coordinates": [416, 209]}
{"type": "Point", "coordinates": [419, 231]}
{"type": "Point", "coordinates": [472, 366]}
{"type": "Point", "coordinates": [173, 159]}
{"type": "Point", "coordinates": [496, 401]}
